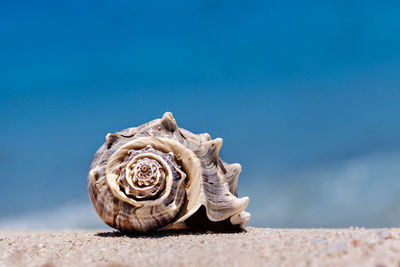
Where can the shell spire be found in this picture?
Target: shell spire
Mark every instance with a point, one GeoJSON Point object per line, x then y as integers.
{"type": "Point", "coordinates": [158, 175]}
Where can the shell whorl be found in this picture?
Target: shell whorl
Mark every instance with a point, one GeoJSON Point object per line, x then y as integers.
{"type": "Point", "coordinates": [144, 173]}
{"type": "Point", "coordinates": [158, 175]}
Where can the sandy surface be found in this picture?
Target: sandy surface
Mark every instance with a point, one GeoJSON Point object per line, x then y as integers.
{"type": "Point", "coordinates": [256, 247]}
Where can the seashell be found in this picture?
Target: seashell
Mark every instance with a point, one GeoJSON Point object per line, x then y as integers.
{"type": "Point", "coordinates": [156, 176]}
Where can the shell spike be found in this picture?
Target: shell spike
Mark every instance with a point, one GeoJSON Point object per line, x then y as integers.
{"type": "Point", "coordinates": [205, 137]}
{"type": "Point", "coordinates": [168, 122]}
{"type": "Point", "coordinates": [240, 219]}
{"type": "Point", "coordinates": [112, 139]}
{"type": "Point", "coordinates": [212, 147]}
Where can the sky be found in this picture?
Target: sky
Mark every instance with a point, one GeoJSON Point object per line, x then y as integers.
{"type": "Point", "coordinates": [305, 95]}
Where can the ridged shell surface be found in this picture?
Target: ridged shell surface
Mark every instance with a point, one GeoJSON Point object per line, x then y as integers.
{"type": "Point", "coordinates": [157, 175]}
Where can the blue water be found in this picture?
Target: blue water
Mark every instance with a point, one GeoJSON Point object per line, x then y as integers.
{"type": "Point", "coordinates": [305, 95]}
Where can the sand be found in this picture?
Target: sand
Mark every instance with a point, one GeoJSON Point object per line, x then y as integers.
{"type": "Point", "coordinates": [256, 247]}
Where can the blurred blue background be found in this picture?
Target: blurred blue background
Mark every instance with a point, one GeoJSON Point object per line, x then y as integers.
{"type": "Point", "coordinates": [306, 96]}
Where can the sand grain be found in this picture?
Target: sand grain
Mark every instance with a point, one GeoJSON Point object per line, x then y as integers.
{"type": "Point", "coordinates": [256, 247]}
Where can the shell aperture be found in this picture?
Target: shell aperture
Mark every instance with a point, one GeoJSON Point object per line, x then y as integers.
{"type": "Point", "coordinates": [157, 175]}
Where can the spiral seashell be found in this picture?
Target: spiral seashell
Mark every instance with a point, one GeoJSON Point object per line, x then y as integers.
{"type": "Point", "coordinates": [156, 176]}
